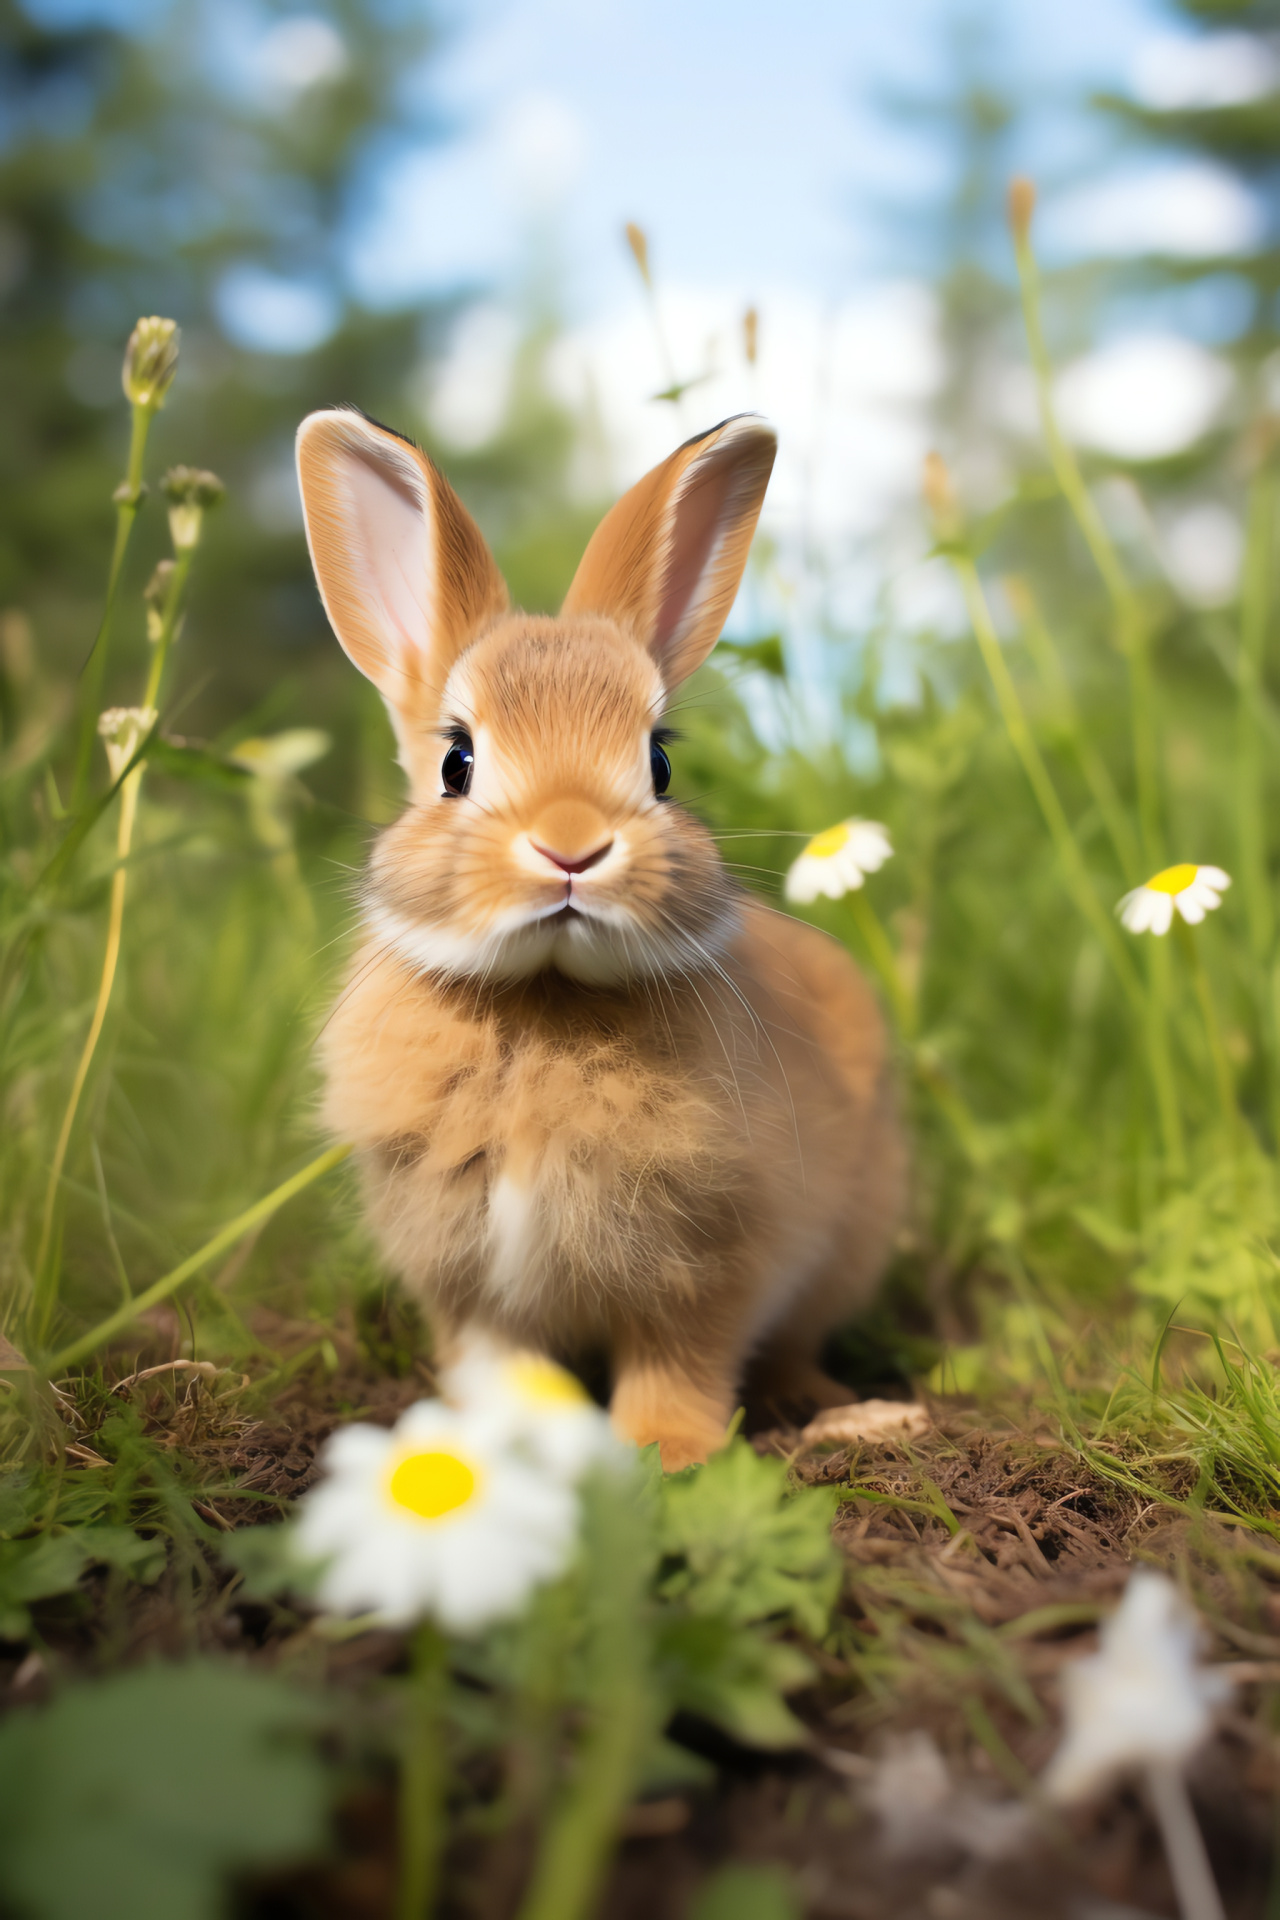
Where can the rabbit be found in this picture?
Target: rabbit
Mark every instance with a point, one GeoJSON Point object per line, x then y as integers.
{"type": "Point", "coordinates": [603, 1099]}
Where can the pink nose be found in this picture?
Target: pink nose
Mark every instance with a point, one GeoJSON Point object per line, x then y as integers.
{"type": "Point", "coordinates": [575, 863]}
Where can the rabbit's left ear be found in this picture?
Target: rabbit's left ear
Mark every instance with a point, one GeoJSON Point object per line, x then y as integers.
{"type": "Point", "coordinates": [665, 563]}
{"type": "Point", "coordinates": [405, 575]}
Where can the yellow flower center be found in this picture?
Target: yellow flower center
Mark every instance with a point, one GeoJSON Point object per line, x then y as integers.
{"type": "Point", "coordinates": [546, 1384]}
{"type": "Point", "coordinates": [829, 841]}
{"type": "Point", "coordinates": [1173, 879]}
{"type": "Point", "coordinates": [431, 1484]}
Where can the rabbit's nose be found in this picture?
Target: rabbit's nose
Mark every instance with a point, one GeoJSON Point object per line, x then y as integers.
{"type": "Point", "coordinates": [572, 834]}
{"type": "Point", "coordinates": [575, 862]}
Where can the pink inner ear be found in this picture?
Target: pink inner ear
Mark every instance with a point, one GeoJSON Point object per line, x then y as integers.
{"type": "Point", "coordinates": [700, 515]}
{"type": "Point", "coordinates": [391, 550]}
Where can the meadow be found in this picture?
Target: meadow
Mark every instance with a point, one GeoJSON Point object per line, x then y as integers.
{"type": "Point", "coordinates": [718, 1705]}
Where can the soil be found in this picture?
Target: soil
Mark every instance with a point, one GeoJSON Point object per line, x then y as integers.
{"type": "Point", "coordinates": [933, 1716]}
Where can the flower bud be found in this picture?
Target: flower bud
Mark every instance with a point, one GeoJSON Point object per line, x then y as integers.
{"type": "Point", "coordinates": [1021, 205]}
{"type": "Point", "coordinates": [155, 594]}
{"type": "Point", "coordinates": [940, 496]}
{"type": "Point", "coordinates": [751, 335]}
{"type": "Point", "coordinates": [190, 492]}
{"type": "Point", "coordinates": [150, 362]}
{"type": "Point", "coordinates": [121, 728]}
{"type": "Point", "coordinates": [638, 242]}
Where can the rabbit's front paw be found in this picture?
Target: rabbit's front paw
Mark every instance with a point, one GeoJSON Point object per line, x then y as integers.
{"type": "Point", "coordinates": [664, 1405]}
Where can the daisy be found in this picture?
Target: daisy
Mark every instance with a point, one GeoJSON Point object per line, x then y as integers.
{"type": "Point", "coordinates": [1193, 890]}
{"type": "Point", "coordinates": [436, 1517]}
{"type": "Point", "coordinates": [538, 1407]}
{"type": "Point", "coordinates": [838, 860]}
{"type": "Point", "coordinates": [1142, 1700]}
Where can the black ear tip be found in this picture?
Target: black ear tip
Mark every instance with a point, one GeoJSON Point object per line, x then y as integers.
{"type": "Point", "coordinates": [739, 427]}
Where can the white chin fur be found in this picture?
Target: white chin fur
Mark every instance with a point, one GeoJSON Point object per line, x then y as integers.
{"type": "Point", "coordinates": [584, 949]}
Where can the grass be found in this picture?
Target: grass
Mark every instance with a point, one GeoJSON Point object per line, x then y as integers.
{"type": "Point", "coordinates": [1087, 1288]}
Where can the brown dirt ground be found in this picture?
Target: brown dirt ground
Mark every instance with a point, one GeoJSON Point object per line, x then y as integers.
{"type": "Point", "coordinates": [961, 1636]}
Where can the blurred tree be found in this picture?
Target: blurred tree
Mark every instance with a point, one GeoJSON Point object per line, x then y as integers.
{"type": "Point", "coordinates": [214, 166]}
{"type": "Point", "coordinates": [957, 239]}
{"type": "Point", "coordinates": [1229, 114]}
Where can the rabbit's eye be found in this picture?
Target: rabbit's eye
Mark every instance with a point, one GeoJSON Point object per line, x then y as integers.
{"type": "Point", "coordinates": [458, 762]}
{"type": "Point", "coordinates": [660, 765]}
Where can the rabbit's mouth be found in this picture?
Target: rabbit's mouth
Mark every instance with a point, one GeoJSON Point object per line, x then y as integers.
{"type": "Point", "coordinates": [581, 941]}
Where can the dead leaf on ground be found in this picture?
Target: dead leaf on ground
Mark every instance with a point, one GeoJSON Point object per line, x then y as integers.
{"type": "Point", "coordinates": [866, 1420]}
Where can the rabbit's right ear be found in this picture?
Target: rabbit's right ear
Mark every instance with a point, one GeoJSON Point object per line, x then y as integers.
{"type": "Point", "coordinates": [403, 570]}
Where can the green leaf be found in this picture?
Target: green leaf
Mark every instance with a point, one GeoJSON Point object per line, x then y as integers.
{"type": "Point", "coordinates": [752, 1546]}
{"type": "Point", "coordinates": [747, 1893]}
{"type": "Point", "coordinates": [764, 655]}
{"type": "Point", "coordinates": [52, 1563]}
{"type": "Point", "coordinates": [670, 1768]}
{"type": "Point", "coordinates": [36, 1569]}
{"type": "Point", "coordinates": [133, 1798]}
{"type": "Point", "coordinates": [733, 1676]}
{"type": "Point", "coordinates": [268, 1559]}
{"type": "Point", "coordinates": [120, 1547]}
{"type": "Point", "coordinates": [183, 760]}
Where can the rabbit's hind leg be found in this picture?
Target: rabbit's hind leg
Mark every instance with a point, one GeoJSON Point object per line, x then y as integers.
{"type": "Point", "coordinates": [785, 1382]}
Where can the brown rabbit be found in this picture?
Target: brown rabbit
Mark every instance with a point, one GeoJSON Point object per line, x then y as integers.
{"type": "Point", "coordinates": [602, 1097]}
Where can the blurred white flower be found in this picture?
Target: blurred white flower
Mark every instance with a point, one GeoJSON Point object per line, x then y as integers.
{"type": "Point", "coordinates": [1203, 546]}
{"type": "Point", "coordinates": [121, 728]}
{"type": "Point", "coordinates": [299, 53]}
{"type": "Point", "coordinates": [1143, 396]}
{"type": "Point", "coordinates": [838, 860]}
{"type": "Point", "coordinates": [1193, 890]}
{"type": "Point", "coordinates": [525, 1400]}
{"type": "Point", "coordinates": [921, 1811]}
{"type": "Point", "coordinates": [1142, 1700]}
{"type": "Point", "coordinates": [436, 1517]}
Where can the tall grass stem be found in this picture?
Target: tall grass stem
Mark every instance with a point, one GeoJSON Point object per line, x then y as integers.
{"type": "Point", "coordinates": [46, 1288]}
{"type": "Point", "coordinates": [1160, 1054]}
{"type": "Point", "coordinates": [1129, 625]}
{"type": "Point", "coordinates": [226, 1237]}
{"type": "Point", "coordinates": [583, 1826]}
{"type": "Point", "coordinates": [1068, 848]}
{"type": "Point", "coordinates": [1213, 1031]}
{"type": "Point", "coordinates": [1193, 1881]}
{"type": "Point", "coordinates": [422, 1778]}
{"type": "Point", "coordinates": [883, 958]}
{"type": "Point", "coordinates": [129, 497]}
{"type": "Point", "coordinates": [45, 1269]}
{"type": "Point", "coordinates": [1041, 646]}
{"type": "Point", "coordinates": [1251, 802]}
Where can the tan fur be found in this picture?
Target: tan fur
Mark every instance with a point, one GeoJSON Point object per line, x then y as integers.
{"type": "Point", "coordinates": [624, 1108]}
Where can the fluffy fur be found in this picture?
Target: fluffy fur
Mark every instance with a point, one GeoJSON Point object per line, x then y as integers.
{"type": "Point", "coordinates": [602, 1099]}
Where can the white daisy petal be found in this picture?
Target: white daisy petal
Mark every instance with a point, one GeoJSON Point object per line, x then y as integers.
{"type": "Point", "coordinates": [1193, 891]}
{"type": "Point", "coordinates": [1143, 1697]}
{"type": "Point", "coordinates": [448, 1514]}
{"type": "Point", "coordinates": [838, 860]}
{"type": "Point", "coordinates": [806, 880]}
{"type": "Point", "coordinates": [1137, 910]}
{"type": "Point", "coordinates": [527, 1400]}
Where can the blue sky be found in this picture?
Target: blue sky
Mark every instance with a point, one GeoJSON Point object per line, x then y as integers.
{"type": "Point", "coordinates": [752, 140]}
{"type": "Point", "coordinates": [740, 133]}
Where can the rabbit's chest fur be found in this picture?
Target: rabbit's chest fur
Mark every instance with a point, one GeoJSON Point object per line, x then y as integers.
{"type": "Point", "coordinates": [540, 1157]}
